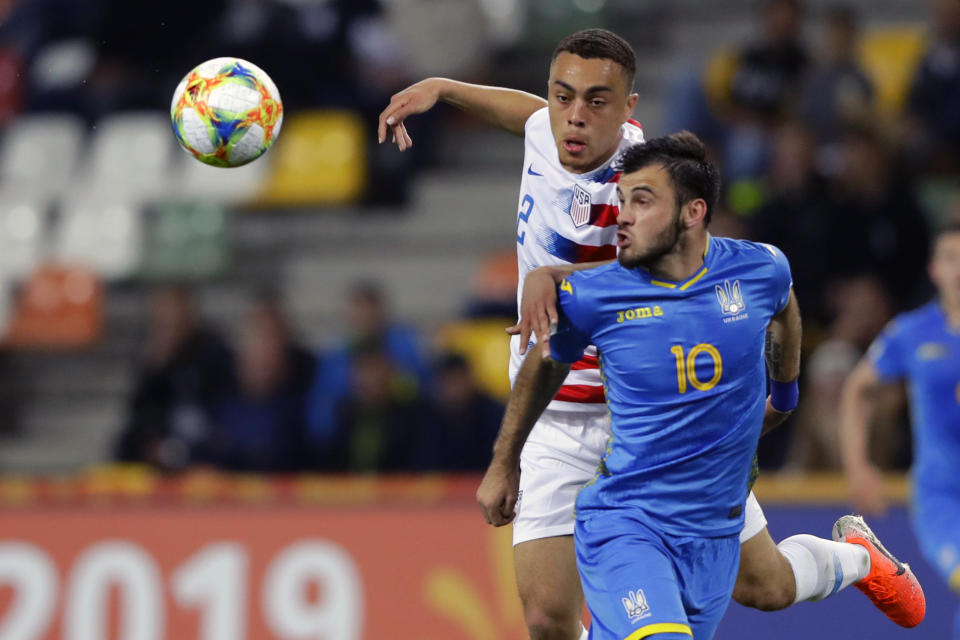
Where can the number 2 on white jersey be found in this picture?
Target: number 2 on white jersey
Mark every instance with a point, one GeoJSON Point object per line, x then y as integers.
{"type": "Point", "coordinates": [523, 216]}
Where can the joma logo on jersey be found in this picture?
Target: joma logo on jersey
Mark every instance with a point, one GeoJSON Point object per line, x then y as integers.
{"type": "Point", "coordinates": [640, 313]}
{"type": "Point", "coordinates": [580, 206]}
{"type": "Point", "coordinates": [636, 605]}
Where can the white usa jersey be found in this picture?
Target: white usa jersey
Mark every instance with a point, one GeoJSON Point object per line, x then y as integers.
{"type": "Point", "coordinates": [566, 218]}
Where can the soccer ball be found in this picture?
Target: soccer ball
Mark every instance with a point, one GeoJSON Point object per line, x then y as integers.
{"type": "Point", "coordinates": [226, 112]}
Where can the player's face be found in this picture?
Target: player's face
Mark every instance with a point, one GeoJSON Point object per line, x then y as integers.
{"type": "Point", "coordinates": [649, 224]}
{"type": "Point", "coordinates": [945, 266]}
{"type": "Point", "coordinates": [589, 99]}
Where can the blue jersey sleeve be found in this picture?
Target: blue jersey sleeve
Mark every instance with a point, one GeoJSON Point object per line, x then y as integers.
{"type": "Point", "coordinates": [573, 333]}
{"type": "Point", "coordinates": [782, 278]}
{"type": "Point", "coordinates": [886, 353]}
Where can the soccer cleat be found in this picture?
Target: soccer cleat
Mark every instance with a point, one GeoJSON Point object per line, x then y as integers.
{"type": "Point", "coordinates": [890, 585]}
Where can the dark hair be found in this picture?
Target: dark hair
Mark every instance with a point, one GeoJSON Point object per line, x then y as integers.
{"type": "Point", "coordinates": [953, 226]}
{"type": "Point", "coordinates": [600, 43]}
{"type": "Point", "coordinates": [685, 159]}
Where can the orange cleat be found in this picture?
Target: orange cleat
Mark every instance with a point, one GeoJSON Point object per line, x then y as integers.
{"type": "Point", "coordinates": [890, 585]}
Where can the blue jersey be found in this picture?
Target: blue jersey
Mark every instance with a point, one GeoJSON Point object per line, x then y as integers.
{"type": "Point", "coordinates": [920, 348]}
{"type": "Point", "coordinates": [685, 381]}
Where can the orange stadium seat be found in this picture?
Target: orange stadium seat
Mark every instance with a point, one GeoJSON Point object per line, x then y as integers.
{"type": "Point", "coordinates": [890, 56]}
{"type": "Point", "coordinates": [57, 308]}
{"type": "Point", "coordinates": [320, 159]}
{"type": "Point", "coordinates": [486, 347]}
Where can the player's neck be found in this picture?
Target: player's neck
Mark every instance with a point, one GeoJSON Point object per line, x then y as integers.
{"type": "Point", "coordinates": [951, 309]}
{"type": "Point", "coordinates": [685, 260]}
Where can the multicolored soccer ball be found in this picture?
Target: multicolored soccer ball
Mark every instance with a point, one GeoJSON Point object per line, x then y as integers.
{"type": "Point", "coordinates": [226, 112]}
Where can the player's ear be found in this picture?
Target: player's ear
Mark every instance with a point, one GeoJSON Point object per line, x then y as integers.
{"type": "Point", "coordinates": [631, 103]}
{"type": "Point", "coordinates": [694, 212]}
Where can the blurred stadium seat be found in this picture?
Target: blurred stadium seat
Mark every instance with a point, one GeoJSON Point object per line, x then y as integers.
{"type": "Point", "coordinates": [23, 223]}
{"type": "Point", "coordinates": [40, 153]}
{"type": "Point", "coordinates": [185, 240]}
{"type": "Point", "coordinates": [486, 347]}
{"type": "Point", "coordinates": [196, 180]}
{"type": "Point", "coordinates": [105, 235]}
{"type": "Point", "coordinates": [890, 56]}
{"type": "Point", "coordinates": [129, 156]}
{"type": "Point", "coordinates": [319, 159]}
{"type": "Point", "coordinates": [57, 308]}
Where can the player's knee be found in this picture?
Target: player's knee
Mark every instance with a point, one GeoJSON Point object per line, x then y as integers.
{"type": "Point", "coordinates": [766, 592]}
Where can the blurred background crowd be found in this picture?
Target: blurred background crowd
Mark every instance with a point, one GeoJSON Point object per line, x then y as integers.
{"type": "Point", "coordinates": [339, 306]}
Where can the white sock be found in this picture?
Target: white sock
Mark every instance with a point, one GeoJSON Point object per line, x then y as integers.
{"type": "Point", "coordinates": [585, 634]}
{"type": "Point", "coordinates": [823, 567]}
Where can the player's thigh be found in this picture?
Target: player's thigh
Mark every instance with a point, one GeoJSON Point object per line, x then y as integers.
{"type": "Point", "coordinates": [630, 582]}
{"type": "Point", "coordinates": [765, 578]}
{"type": "Point", "coordinates": [547, 577]}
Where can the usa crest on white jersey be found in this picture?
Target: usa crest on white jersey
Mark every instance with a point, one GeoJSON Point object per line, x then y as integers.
{"type": "Point", "coordinates": [580, 206]}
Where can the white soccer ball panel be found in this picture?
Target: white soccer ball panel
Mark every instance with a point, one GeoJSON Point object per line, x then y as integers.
{"type": "Point", "coordinates": [248, 147]}
{"type": "Point", "coordinates": [234, 97]}
{"type": "Point", "coordinates": [210, 68]}
{"type": "Point", "coordinates": [195, 132]}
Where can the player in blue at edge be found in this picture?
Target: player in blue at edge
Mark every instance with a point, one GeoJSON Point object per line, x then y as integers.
{"type": "Point", "coordinates": [680, 323]}
{"type": "Point", "coordinates": [921, 348]}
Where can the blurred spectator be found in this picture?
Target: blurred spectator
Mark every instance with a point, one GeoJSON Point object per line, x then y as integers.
{"type": "Point", "coordinates": [754, 87]}
{"type": "Point", "coordinates": [380, 419]}
{"type": "Point", "coordinates": [876, 223]}
{"type": "Point", "coordinates": [185, 367]}
{"type": "Point", "coordinates": [465, 421]}
{"type": "Point", "coordinates": [795, 215]}
{"type": "Point", "coordinates": [934, 99]}
{"type": "Point", "coordinates": [261, 417]}
{"type": "Point", "coordinates": [367, 318]}
{"type": "Point", "coordinates": [815, 444]}
{"type": "Point", "coordinates": [838, 93]}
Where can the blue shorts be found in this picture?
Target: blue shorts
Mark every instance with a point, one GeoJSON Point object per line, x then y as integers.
{"type": "Point", "coordinates": [936, 522]}
{"type": "Point", "coordinates": [640, 583]}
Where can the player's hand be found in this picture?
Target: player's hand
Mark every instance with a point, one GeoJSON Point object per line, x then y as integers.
{"type": "Point", "coordinates": [538, 310]}
{"type": "Point", "coordinates": [497, 494]}
{"type": "Point", "coordinates": [414, 99]}
{"type": "Point", "coordinates": [866, 490]}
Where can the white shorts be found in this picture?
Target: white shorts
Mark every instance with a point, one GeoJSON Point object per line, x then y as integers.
{"type": "Point", "coordinates": [552, 471]}
{"type": "Point", "coordinates": [560, 456]}
{"type": "Point", "coordinates": [753, 519]}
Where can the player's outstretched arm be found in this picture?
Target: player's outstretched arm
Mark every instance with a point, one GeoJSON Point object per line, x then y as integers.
{"type": "Point", "coordinates": [865, 479]}
{"type": "Point", "coordinates": [538, 303]}
{"type": "Point", "coordinates": [508, 109]}
{"type": "Point", "coordinates": [782, 353]}
{"type": "Point", "coordinates": [537, 383]}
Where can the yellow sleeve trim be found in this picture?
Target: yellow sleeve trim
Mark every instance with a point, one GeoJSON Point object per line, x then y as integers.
{"type": "Point", "coordinates": [660, 627]}
{"type": "Point", "coordinates": [954, 581]}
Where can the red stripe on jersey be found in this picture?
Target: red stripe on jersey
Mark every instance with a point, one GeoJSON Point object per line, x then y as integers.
{"type": "Point", "coordinates": [584, 393]}
{"type": "Point", "coordinates": [615, 178]}
{"type": "Point", "coordinates": [589, 253]}
{"type": "Point", "coordinates": [635, 123]}
{"type": "Point", "coordinates": [586, 362]}
{"type": "Point", "coordinates": [604, 215]}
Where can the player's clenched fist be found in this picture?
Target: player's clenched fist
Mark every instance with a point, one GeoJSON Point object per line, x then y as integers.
{"type": "Point", "coordinates": [497, 494]}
